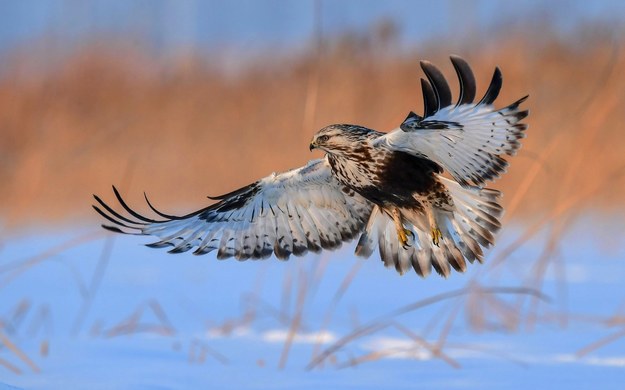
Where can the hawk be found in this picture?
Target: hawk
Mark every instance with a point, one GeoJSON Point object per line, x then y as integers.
{"type": "Point", "coordinates": [388, 189]}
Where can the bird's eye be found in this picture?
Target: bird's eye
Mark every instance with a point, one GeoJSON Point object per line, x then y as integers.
{"type": "Point", "coordinates": [323, 138]}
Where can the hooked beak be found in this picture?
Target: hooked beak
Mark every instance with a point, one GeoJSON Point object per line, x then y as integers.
{"type": "Point", "coordinates": [312, 146]}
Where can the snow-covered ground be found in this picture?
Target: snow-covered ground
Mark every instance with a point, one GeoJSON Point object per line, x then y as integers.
{"type": "Point", "coordinates": [84, 309]}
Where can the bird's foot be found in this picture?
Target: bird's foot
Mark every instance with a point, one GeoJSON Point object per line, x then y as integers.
{"type": "Point", "coordinates": [406, 237]}
{"type": "Point", "coordinates": [402, 232]}
{"type": "Point", "coordinates": [436, 235]}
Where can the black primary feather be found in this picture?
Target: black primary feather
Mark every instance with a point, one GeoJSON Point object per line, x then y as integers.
{"type": "Point", "coordinates": [112, 212]}
{"type": "Point", "coordinates": [439, 84]}
{"type": "Point", "coordinates": [430, 103]}
{"type": "Point", "coordinates": [493, 88]}
{"type": "Point", "coordinates": [111, 219]}
{"type": "Point", "coordinates": [161, 214]}
{"type": "Point", "coordinates": [466, 79]}
{"type": "Point", "coordinates": [129, 210]}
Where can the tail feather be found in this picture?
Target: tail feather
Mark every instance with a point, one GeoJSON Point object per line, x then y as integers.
{"type": "Point", "coordinates": [440, 260]}
{"type": "Point", "coordinates": [366, 243]}
{"type": "Point", "coordinates": [466, 232]}
{"type": "Point", "coordinates": [469, 247]}
{"type": "Point", "coordinates": [456, 259]}
{"type": "Point", "coordinates": [421, 262]}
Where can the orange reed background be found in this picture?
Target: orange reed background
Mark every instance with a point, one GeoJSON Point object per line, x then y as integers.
{"type": "Point", "coordinates": [112, 114]}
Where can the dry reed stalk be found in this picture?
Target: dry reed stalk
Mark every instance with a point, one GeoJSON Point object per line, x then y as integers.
{"type": "Point", "coordinates": [561, 209]}
{"type": "Point", "coordinates": [362, 331]}
{"type": "Point", "coordinates": [354, 318]}
{"type": "Point", "coordinates": [600, 343]}
{"type": "Point", "coordinates": [43, 318]}
{"type": "Point", "coordinates": [18, 314]}
{"type": "Point", "coordinates": [559, 265]}
{"type": "Point", "coordinates": [616, 320]}
{"type": "Point", "coordinates": [132, 323]}
{"type": "Point", "coordinates": [78, 280]}
{"type": "Point", "coordinates": [321, 265]}
{"type": "Point", "coordinates": [509, 316]}
{"type": "Point", "coordinates": [14, 369]}
{"type": "Point", "coordinates": [382, 322]}
{"type": "Point", "coordinates": [556, 234]}
{"type": "Point", "coordinates": [250, 314]}
{"type": "Point", "coordinates": [476, 316]}
{"type": "Point", "coordinates": [327, 318]}
{"type": "Point", "coordinates": [489, 351]}
{"type": "Point", "coordinates": [582, 318]}
{"type": "Point", "coordinates": [591, 122]}
{"type": "Point", "coordinates": [370, 357]}
{"type": "Point", "coordinates": [434, 350]}
{"type": "Point", "coordinates": [44, 348]}
{"type": "Point", "coordinates": [449, 322]}
{"type": "Point", "coordinates": [6, 341]}
{"type": "Point", "coordinates": [524, 187]}
{"type": "Point", "coordinates": [160, 314]}
{"type": "Point", "coordinates": [13, 270]}
{"type": "Point", "coordinates": [204, 350]}
{"type": "Point", "coordinates": [103, 261]}
{"type": "Point", "coordinates": [296, 321]}
{"type": "Point", "coordinates": [96, 280]}
{"type": "Point", "coordinates": [263, 307]}
{"type": "Point", "coordinates": [128, 325]}
{"type": "Point", "coordinates": [285, 297]}
{"type": "Point", "coordinates": [537, 276]}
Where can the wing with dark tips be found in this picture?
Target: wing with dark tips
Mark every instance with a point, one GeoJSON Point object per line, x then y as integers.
{"type": "Point", "coordinates": [467, 139]}
{"type": "Point", "coordinates": [294, 212]}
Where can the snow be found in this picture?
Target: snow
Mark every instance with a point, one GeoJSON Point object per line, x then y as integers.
{"type": "Point", "coordinates": [141, 318]}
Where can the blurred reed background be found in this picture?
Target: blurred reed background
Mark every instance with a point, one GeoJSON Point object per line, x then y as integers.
{"type": "Point", "coordinates": [81, 109]}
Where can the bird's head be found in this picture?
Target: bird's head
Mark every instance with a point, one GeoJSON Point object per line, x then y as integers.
{"type": "Point", "coordinates": [339, 139]}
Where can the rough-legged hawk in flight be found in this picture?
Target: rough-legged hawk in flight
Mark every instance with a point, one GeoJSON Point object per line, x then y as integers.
{"type": "Point", "coordinates": [386, 188]}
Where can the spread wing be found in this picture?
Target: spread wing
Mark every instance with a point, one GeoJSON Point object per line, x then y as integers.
{"type": "Point", "coordinates": [301, 210]}
{"type": "Point", "coordinates": [467, 139]}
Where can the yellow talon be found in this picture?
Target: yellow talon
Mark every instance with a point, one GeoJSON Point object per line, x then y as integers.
{"type": "Point", "coordinates": [402, 232]}
{"type": "Point", "coordinates": [403, 236]}
{"type": "Point", "coordinates": [436, 235]}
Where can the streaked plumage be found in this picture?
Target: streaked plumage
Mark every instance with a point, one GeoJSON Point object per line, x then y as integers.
{"type": "Point", "coordinates": [385, 188]}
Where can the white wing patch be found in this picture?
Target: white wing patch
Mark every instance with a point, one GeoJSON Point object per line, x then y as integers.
{"type": "Point", "coordinates": [301, 210]}
{"type": "Point", "coordinates": [466, 139]}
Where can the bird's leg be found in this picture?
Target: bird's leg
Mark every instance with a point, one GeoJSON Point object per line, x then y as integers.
{"type": "Point", "coordinates": [402, 232]}
{"type": "Point", "coordinates": [434, 230]}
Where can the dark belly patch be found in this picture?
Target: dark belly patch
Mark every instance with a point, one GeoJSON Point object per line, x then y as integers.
{"type": "Point", "coordinates": [400, 177]}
